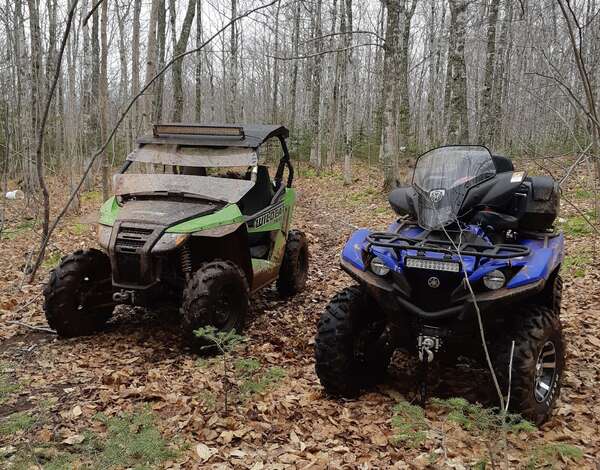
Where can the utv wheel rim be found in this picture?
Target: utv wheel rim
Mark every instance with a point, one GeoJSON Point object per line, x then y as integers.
{"type": "Point", "coordinates": [545, 372]}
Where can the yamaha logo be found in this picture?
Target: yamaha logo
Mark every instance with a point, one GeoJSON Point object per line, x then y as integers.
{"type": "Point", "coordinates": [433, 282]}
{"type": "Point", "coordinates": [436, 195]}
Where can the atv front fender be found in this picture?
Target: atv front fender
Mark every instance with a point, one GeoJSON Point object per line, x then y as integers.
{"type": "Point", "coordinates": [353, 250]}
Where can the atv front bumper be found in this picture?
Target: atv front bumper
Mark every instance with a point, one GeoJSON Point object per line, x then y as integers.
{"type": "Point", "coordinates": [392, 297]}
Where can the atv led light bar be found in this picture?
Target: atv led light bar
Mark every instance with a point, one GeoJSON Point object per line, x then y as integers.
{"type": "Point", "coordinates": [192, 129]}
{"type": "Point", "coordinates": [432, 264]}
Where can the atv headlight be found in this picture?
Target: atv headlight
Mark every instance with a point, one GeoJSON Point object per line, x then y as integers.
{"type": "Point", "coordinates": [379, 267]}
{"type": "Point", "coordinates": [103, 232]}
{"type": "Point", "coordinates": [169, 241]}
{"type": "Point", "coordinates": [494, 279]}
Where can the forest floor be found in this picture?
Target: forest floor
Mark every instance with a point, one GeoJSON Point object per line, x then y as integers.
{"type": "Point", "coordinates": [133, 396]}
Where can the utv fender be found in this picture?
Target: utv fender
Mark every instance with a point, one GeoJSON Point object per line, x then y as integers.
{"type": "Point", "coordinates": [231, 247]}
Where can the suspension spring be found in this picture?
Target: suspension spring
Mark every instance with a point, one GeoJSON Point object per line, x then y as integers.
{"type": "Point", "coordinates": [185, 259]}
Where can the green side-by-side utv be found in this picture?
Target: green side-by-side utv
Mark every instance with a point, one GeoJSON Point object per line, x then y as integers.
{"type": "Point", "coordinates": [197, 223]}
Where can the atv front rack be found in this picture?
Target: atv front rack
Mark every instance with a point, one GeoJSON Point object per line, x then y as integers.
{"type": "Point", "coordinates": [423, 244]}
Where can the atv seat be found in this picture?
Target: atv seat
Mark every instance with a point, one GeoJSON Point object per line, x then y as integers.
{"type": "Point", "coordinates": [502, 164]}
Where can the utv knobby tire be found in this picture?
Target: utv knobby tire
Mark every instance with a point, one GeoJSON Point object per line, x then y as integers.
{"type": "Point", "coordinates": [293, 272]}
{"type": "Point", "coordinates": [217, 287]}
{"type": "Point", "coordinates": [535, 327]}
{"type": "Point", "coordinates": [78, 296]}
{"type": "Point", "coordinates": [341, 371]}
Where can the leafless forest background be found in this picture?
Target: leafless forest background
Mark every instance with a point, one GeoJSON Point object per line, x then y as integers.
{"type": "Point", "coordinates": [353, 80]}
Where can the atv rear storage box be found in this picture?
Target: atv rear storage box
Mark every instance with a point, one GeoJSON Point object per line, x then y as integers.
{"type": "Point", "coordinates": [538, 203]}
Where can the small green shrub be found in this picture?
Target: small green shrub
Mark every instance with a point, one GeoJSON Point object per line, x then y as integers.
{"type": "Point", "coordinates": [409, 424]}
{"type": "Point", "coordinates": [132, 440]}
{"type": "Point", "coordinates": [473, 417]}
{"type": "Point", "coordinates": [225, 341]}
{"type": "Point", "coordinates": [247, 365]}
{"type": "Point", "coordinates": [259, 383]}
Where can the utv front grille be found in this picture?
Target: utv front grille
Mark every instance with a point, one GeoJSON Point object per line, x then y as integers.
{"type": "Point", "coordinates": [132, 239]}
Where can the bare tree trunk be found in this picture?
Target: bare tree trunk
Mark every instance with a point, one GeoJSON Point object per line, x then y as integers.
{"type": "Point", "coordinates": [315, 108]}
{"type": "Point", "coordinates": [198, 106]}
{"type": "Point", "coordinates": [36, 62]}
{"type": "Point", "coordinates": [487, 119]}
{"type": "Point", "coordinates": [274, 105]}
{"type": "Point", "coordinates": [177, 67]}
{"type": "Point", "coordinates": [403, 98]}
{"type": "Point", "coordinates": [233, 67]}
{"type": "Point", "coordinates": [161, 39]}
{"type": "Point", "coordinates": [500, 73]}
{"type": "Point", "coordinates": [458, 126]}
{"type": "Point", "coordinates": [135, 64]}
{"type": "Point", "coordinates": [339, 71]}
{"type": "Point", "coordinates": [104, 96]}
{"type": "Point", "coordinates": [347, 112]}
{"type": "Point", "coordinates": [294, 85]}
{"type": "Point", "coordinates": [150, 65]}
{"type": "Point", "coordinates": [390, 72]}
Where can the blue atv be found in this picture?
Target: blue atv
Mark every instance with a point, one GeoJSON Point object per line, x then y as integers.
{"type": "Point", "coordinates": [474, 248]}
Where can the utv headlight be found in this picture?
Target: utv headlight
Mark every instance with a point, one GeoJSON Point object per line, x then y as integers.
{"type": "Point", "coordinates": [379, 267]}
{"type": "Point", "coordinates": [104, 232]}
{"type": "Point", "coordinates": [169, 241]}
{"type": "Point", "coordinates": [494, 280]}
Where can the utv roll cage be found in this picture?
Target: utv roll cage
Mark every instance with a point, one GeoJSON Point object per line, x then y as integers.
{"type": "Point", "coordinates": [177, 136]}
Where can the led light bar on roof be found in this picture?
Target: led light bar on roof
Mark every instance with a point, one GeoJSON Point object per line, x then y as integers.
{"type": "Point", "coordinates": [432, 264]}
{"type": "Point", "coordinates": [192, 129]}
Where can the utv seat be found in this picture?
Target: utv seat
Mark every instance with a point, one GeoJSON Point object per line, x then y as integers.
{"type": "Point", "coordinates": [258, 198]}
{"type": "Point", "coordinates": [502, 164]}
{"type": "Point", "coordinates": [260, 194]}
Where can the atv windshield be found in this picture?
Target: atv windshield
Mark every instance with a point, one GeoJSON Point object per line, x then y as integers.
{"type": "Point", "coordinates": [442, 178]}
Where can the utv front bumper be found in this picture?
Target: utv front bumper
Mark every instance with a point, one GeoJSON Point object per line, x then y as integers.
{"type": "Point", "coordinates": [393, 296]}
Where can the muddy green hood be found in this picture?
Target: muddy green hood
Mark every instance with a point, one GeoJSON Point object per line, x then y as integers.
{"type": "Point", "coordinates": [181, 217]}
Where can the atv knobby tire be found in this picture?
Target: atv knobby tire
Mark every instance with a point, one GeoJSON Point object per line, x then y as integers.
{"type": "Point", "coordinates": [293, 272]}
{"type": "Point", "coordinates": [342, 362]}
{"type": "Point", "coordinates": [551, 295]}
{"type": "Point", "coordinates": [216, 295]}
{"type": "Point", "coordinates": [537, 334]}
{"type": "Point", "coordinates": [78, 296]}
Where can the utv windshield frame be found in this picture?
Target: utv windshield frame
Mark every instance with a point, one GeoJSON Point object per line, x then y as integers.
{"type": "Point", "coordinates": [192, 145]}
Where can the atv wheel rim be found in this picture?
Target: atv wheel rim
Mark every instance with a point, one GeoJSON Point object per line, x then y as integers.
{"type": "Point", "coordinates": [545, 372]}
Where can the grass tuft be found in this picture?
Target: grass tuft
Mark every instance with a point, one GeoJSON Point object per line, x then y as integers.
{"type": "Point", "coordinates": [16, 422]}
{"type": "Point", "coordinates": [7, 386]}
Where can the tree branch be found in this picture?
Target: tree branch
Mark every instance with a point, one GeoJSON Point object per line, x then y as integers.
{"type": "Point", "coordinates": [330, 51]}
